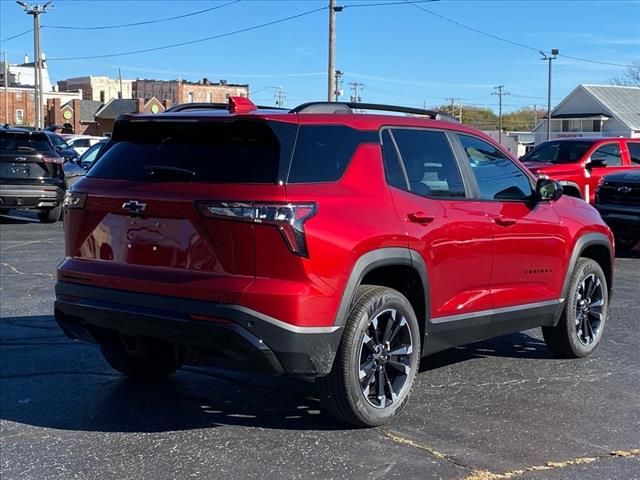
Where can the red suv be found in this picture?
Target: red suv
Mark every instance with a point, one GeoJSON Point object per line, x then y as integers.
{"type": "Point", "coordinates": [320, 242]}
{"type": "Point", "coordinates": [580, 163]}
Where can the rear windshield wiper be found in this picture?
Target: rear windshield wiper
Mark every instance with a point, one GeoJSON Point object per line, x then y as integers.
{"type": "Point", "coordinates": [156, 171]}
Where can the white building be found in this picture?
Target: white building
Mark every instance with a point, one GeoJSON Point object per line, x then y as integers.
{"type": "Point", "coordinates": [518, 143]}
{"type": "Point", "coordinates": [594, 111]}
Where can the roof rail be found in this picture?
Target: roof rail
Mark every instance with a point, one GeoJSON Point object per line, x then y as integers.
{"type": "Point", "coordinates": [349, 107]}
{"type": "Point", "coordinates": [183, 107]}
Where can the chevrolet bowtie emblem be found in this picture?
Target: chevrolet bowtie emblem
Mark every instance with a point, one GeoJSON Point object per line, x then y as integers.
{"type": "Point", "coordinates": [624, 189]}
{"type": "Point", "coordinates": [134, 206]}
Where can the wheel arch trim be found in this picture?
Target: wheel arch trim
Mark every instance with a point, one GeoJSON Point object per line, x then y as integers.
{"type": "Point", "coordinates": [584, 242]}
{"type": "Point", "coordinates": [382, 257]}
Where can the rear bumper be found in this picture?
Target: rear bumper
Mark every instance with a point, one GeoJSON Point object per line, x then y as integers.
{"type": "Point", "coordinates": [622, 219]}
{"type": "Point", "coordinates": [223, 334]}
{"type": "Point", "coordinates": [30, 196]}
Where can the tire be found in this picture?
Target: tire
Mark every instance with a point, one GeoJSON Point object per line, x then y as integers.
{"type": "Point", "coordinates": [350, 391]}
{"type": "Point", "coordinates": [583, 319]}
{"type": "Point", "coordinates": [50, 215]}
{"type": "Point", "coordinates": [156, 360]}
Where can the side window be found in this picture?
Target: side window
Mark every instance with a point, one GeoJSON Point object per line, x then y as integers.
{"type": "Point", "coordinates": [609, 153]}
{"type": "Point", "coordinates": [498, 177]}
{"type": "Point", "coordinates": [323, 152]}
{"type": "Point", "coordinates": [392, 169]}
{"type": "Point", "coordinates": [634, 152]}
{"type": "Point", "coordinates": [429, 163]}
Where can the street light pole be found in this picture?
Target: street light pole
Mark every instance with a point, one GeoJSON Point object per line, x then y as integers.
{"type": "Point", "coordinates": [36, 11]}
{"type": "Point", "coordinates": [549, 58]}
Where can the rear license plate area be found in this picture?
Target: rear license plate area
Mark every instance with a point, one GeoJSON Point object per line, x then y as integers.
{"type": "Point", "coordinates": [17, 170]}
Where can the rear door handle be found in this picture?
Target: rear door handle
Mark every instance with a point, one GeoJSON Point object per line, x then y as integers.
{"type": "Point", "coordinates": [420, 217]}
{"type": "Point", "coordinates": [504, 221]}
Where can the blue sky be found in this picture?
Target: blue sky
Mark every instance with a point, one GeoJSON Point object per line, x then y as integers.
{"type": "Point", "coordinates": [401, 53]}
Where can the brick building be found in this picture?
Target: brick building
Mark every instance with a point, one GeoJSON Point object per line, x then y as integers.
{"type": "Point", "coordinates": [107, 115]}
{"type": "Point", "coordinates": [181, 91]}
{"type": "Point", "coordinates": [99, 89]}
{"type": "Point", "coordinates": [17, 106]}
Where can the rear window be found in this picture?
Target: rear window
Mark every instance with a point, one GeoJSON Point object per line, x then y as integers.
{"type": "Point", "coordinates": [559, 152]}
{"type": "Point", "coordinates": [10, 141]}
{"type": "Point", "coordinates": [240, 151]}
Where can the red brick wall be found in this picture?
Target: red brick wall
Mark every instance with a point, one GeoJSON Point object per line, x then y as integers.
{"type": "Point", "coordinates": [17, 100]}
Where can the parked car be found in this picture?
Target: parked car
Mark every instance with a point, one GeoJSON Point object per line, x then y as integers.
{"type": "Point", "coordinates": [31, 173]}
{"type": "Point", "coordinates": [618, 201]}
{"type": "Point", "coordinates": [320, 242]}
{"type": "Point", "coordinates": [87, 159]}
{"type": "Point", "coordinates": [579, 163]}
{"type": "Point", "coordinates": [81, 143]}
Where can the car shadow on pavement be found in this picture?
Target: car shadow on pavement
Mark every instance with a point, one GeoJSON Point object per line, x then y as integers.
{"type": "Point", "coordinates": [49, 381]}
{"type": "Point", "coordinates": [516, 345]}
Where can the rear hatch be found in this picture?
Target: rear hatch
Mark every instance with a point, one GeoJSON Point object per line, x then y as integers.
{"type": "Point", "coordinates": [154, 213]}
{"type": "Point", "coordinates": [27, 158]}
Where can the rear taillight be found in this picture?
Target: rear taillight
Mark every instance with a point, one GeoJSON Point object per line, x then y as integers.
{"type": "Point", "coordinates": [74, 199]}
{"type": "Point", "coordinates": [56, 160]}
{"type": "Point", "coordinates": [289, 218]}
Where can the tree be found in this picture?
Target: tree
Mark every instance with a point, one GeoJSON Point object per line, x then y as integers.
{"type": "Point", "coordinates": [630, 77]}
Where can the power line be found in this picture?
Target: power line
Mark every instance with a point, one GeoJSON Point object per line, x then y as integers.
{"type": "Point", "coordinates": [146, 22]}
{"type": "Point", "coordinates": [191, 42]}
{"type": "Point", "coordinates": [16, 36]}
{"type": "Point", "coordinates": [506, 40]}
{"type": "Point", "coordinates": [384, 4]}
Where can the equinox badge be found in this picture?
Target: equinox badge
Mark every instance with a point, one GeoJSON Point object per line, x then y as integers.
{"type": "Point", "coordinates": [134, 206]}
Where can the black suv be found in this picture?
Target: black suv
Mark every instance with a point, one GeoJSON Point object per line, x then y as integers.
{"type": "Point", "coordinates": [31, 173]}
{"type": "Point", "coordinates": [618, 201]}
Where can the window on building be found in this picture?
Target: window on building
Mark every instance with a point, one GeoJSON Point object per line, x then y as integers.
{"type": "Point", "coordinates": [190, 97]}
{"type": "Point", "coordinates": [18, 96]}
{"type": "Point", "coordinates": [597, 126]}
{"type": "Point", "coordinates": [102, 96]}
{"type": "Point", "coordinates": [209, 97]}
{"type": "Point", "coordinates": [565, 126]}
{"type": "Point", "coordinates": [19, 117]}
{"type": "Point", "coordinates": [498, 177]}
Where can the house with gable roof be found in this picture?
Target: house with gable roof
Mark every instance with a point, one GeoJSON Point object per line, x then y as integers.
{"type": "Point", "coordinates": [594, 111]}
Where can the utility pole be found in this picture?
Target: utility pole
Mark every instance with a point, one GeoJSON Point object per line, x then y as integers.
{"type": "Point", "coordinates": [535, 116]}
{"type": "Point", "coordinates": [460, 117]}
{"type": "Point", "coordinates": [5, 74]}
{"type": "Point", "coordinates": [331, 71]}
{"type": "Point", "coordinates": [453, 105]}
{"type": "Point", "coordinates": [280, 97]}
{"type": "Point", "coordinates": [355, 97]}
{"type": "Point", "coordinates": [36, 11]}
{"type": "Point", "coordinates": [338, 90]}
{"type": "Point", "coordinates": [549, 58]}
{"type": "Point", "coordinates": [500, 92]}
{"type": "Point", "coordinates": [120, 77]}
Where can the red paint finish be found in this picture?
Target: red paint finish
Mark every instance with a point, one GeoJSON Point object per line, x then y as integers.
{"type": "Point", "coordinates": [579, 173]}
{"type": "Point", "coordinates": [479, 255]}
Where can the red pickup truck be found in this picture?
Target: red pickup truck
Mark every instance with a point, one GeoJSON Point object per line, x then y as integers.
{"type": "Point", "coordinates": [579, 163]}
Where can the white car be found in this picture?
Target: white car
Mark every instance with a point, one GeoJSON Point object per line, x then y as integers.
{"type": "Point", "coordinates": [81, 143]}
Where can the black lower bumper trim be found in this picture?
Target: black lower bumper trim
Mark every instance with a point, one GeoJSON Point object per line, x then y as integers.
{"type": "Point", "coordinates": [239, 339]}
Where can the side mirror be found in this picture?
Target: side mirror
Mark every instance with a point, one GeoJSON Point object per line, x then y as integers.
{"type": "Point", "coordinates": [548, 190]}
{"type": "Point", "coordinates": [597, 162]}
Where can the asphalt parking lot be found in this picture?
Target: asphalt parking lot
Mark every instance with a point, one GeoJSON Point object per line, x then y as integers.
{"type": "Point", "coordinates": [498, 409]}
